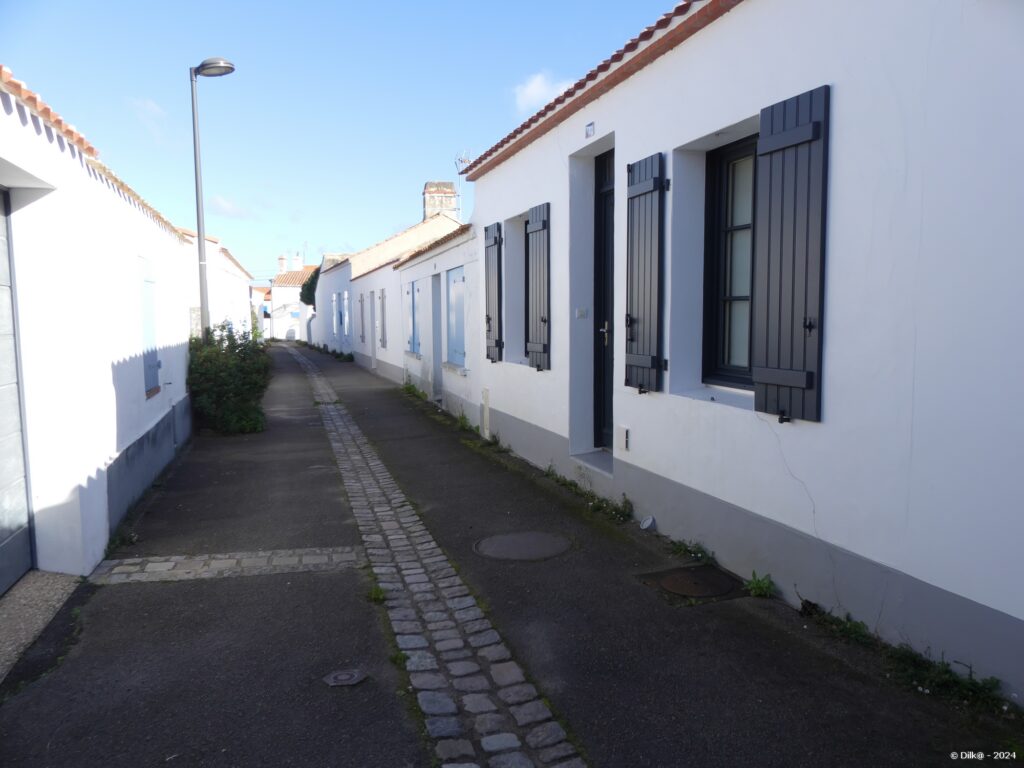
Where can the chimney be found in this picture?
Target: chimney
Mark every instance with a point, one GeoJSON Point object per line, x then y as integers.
{"type": "Point", "coordinates": [282, 264]}
{"type": "Point", "coordinates": [440, 197]}
{"type": "Point", "coordinates": [297, 262]}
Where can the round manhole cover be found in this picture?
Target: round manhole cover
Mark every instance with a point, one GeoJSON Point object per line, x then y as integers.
{"type": "Point", "coordinates": [700, 581]}
{"type": "Point", "coordinates": [523, 545]}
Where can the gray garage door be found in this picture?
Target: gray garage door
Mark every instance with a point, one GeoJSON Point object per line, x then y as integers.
{"type": "Point", "coordinates": [15, 538]}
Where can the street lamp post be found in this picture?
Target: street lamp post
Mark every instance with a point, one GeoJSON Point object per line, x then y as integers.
{"type": "Point", "coordinates": [215, 67]}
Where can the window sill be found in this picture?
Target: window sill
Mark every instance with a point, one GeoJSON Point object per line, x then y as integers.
{"type": "Point", "coordinates": [455, 368]}
{"type": "Point", "coordinates": [415, 355]}
{"type": "Point", "coordinates": [151, 393]}
{"type": "Point", "coordinates": [720, 394]}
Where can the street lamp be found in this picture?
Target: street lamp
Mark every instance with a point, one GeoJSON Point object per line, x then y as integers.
{"type": "Point", "coordinates": [215, 67]}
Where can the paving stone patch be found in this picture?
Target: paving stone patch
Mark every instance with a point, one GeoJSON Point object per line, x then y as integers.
{"type": "Point", "coordinates": [184, 567]}
{"type": "Point", "coordinates": [426, 595]}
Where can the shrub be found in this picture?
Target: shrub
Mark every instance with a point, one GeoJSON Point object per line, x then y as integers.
{"type": "Point", "coordinates": [227, 376]}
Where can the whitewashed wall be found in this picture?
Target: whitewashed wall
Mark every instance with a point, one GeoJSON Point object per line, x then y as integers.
{"type": "Point", "coordinates": [331, 289]}
{"type": "Point", "coordinates": [912, 467]}
{"type": "Point", "coordinates": [284, 303]}
{"type": "Point", "coordinates": [382, 345]}
{"type": "Point", "coordinates": [81, 247]}
{"type": "Point", "coordinates": [458, 385]}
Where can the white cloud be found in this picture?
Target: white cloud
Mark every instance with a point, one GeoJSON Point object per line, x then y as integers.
{"type": "Point", "coordinates": [152, 117]}
{"type": "Point", "coordinates": [537, 90]}
{"type": "Point", "coordinates": [230, 209]}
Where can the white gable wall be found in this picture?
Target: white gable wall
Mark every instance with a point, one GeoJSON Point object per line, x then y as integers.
{"type": "Point", "coordinates": [94, 439]}
{"type": "Point", "coordinates": [905, 470]}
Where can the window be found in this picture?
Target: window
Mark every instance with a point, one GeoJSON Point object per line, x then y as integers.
{"type": "Point", "coordinates": [764, 258]}
{"type": "Point", "coordinates": [340, 301]}
{"type": "Point", "coordinates": [457, 316]}
{"type": "Point", "coordinates": [728, 263]}
{"type": "Point", "coordinates": [345, 313]}
{"type": "Point", "coordinates": [334, 314]}
{"type": "Point", "coordinates": [383, 321]}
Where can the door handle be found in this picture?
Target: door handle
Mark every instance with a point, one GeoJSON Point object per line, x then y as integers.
{"type": "Point", "coordinates": [606, 331]}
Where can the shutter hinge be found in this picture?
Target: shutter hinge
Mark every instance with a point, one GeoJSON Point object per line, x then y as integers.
{"type": "Point", "coordinates": [809, 325]}
{"type": "Point", "coordinates": [783, 418]}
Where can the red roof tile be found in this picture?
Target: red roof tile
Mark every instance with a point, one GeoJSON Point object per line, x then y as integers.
{"type": "Point", "coordinates": [294, 278]}
{"type": "Point", "coordinates": [624, 63]}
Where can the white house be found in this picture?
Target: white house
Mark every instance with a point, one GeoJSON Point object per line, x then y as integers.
{"type": "Point", "coordinates": [227, 286]}
{"type": "Point", "coordinates": [360, 294]}
{"type": "Point", "coordinates": [440, 289]}
{"type": "Point", "coordinates": [90, 412]}
{"type": "Point", "coordinates": [288, 315]}
{"type": "Point", "coordinates": [748, 271]}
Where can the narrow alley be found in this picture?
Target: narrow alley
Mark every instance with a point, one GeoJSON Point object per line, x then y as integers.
{"type": "Point", "coordinates": [348, 536]}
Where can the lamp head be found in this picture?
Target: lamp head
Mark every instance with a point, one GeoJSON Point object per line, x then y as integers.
{"type": "Point", "coordinates": [215, 67]}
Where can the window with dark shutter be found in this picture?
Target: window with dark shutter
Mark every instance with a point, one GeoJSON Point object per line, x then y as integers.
{"type": "Point", "coordinates": [383, 321]}
{"type": "Point", "coordinates": [362, 320]}
{"type": "Point", "coordinates": [538, 290]}
{"type": "Point", "coordinates": [645, 227]}
{"type": "Point", "coordinates": [789, 256]}
{"type": "Point", "coordinates": [492, 267]}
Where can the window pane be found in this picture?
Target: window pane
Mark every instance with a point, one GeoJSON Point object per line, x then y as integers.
{"type": "Point", "coordinates": [741, 198]}
{"type": "Point", "coordinates": [739, 263]}
{"type": "Point", "coordinates": [737, 320]}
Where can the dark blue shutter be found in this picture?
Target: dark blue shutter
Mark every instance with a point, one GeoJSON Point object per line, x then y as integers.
{"type": "Point", "coordinates": [538, 288]}
{"type": "Point", "coordinates": [789, 256]}
{"type": "Point", "coordinates": [362, 320]}
{"type": "Point", "coordinates": [644, 236]}
{"type": "Point", "coordinates": [492, 267]}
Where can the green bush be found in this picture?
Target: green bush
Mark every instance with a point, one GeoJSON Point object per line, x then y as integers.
{"type": "Point", "coordinates": [228, 373]}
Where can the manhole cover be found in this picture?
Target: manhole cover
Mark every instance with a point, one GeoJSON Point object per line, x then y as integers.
{"type": "Point", "coordinates": [523, 545]}
{"type": "Point", "coordinates": [695, 581]}
{"type": "Point", "coordinates": [345, 677]}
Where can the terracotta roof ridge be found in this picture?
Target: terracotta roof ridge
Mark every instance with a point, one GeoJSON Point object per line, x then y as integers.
{"type": "Point", "coordinates": [48, 115]}
{"type": "Point", "coordinates": [445, 238]}
{"type": "Point", "coordinates": [559, 108]}
{"type": "Point", "coordinates": [401, 232]}
{"type": "Point", "coordinates": [45, 112]}
{"type": "Point", "coordinates": [131, 193]}
{"type": "Point", "coordinates": [233, 260]}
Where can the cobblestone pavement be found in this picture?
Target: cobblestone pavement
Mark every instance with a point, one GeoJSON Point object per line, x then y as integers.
{"type": "Point", "coordinates": [182, 567]}
{"type": "Point", "coordinates": [479, 707]}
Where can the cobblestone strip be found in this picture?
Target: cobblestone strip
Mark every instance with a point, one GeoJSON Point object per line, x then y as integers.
{"type": "Point", "coordinates": [478, 707]}
{"type": "Point", "coordinates": [183, 567]}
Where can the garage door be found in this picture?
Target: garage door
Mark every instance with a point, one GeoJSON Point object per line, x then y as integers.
{"type": "Point", "coordinates": [15, 537]}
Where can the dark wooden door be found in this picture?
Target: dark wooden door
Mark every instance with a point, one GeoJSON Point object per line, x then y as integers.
{"type": "Point", "coordinates": [604, 295]}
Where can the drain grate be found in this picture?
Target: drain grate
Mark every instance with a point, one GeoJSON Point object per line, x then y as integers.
{"type": "Point", "coordinates": [345, 677]}
{"type": "Point", "coordinates": [697, 582]}
{"type": "Point", "coordinates": [522, 545]}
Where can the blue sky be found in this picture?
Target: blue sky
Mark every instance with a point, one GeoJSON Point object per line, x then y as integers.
{"type": "Point", "coordinates": [337, 112]}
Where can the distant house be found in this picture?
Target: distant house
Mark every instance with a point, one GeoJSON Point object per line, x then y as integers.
{"type": "Point", "coordinates": [259, 297]}
{"type": "Point", "coordinates": [754, 272]}
{"type": "Point", "coordinates": [93, 404]}
{"type": "Point", "coordinates": [227, 286]}
{"type": "Point", "coordinates": [364, 293]}
{"type": "Point", "coordinates": [288, 315]}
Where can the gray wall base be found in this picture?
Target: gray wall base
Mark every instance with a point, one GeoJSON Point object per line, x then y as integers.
{"type": "Point", "coordinates": [896, 606]}
{"type": "Point", "coordinates": [15, 558]}
{"type": "Point", "coordinates": [131, 473]}
{"type": "Point", "coordinates": [384, 369]}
